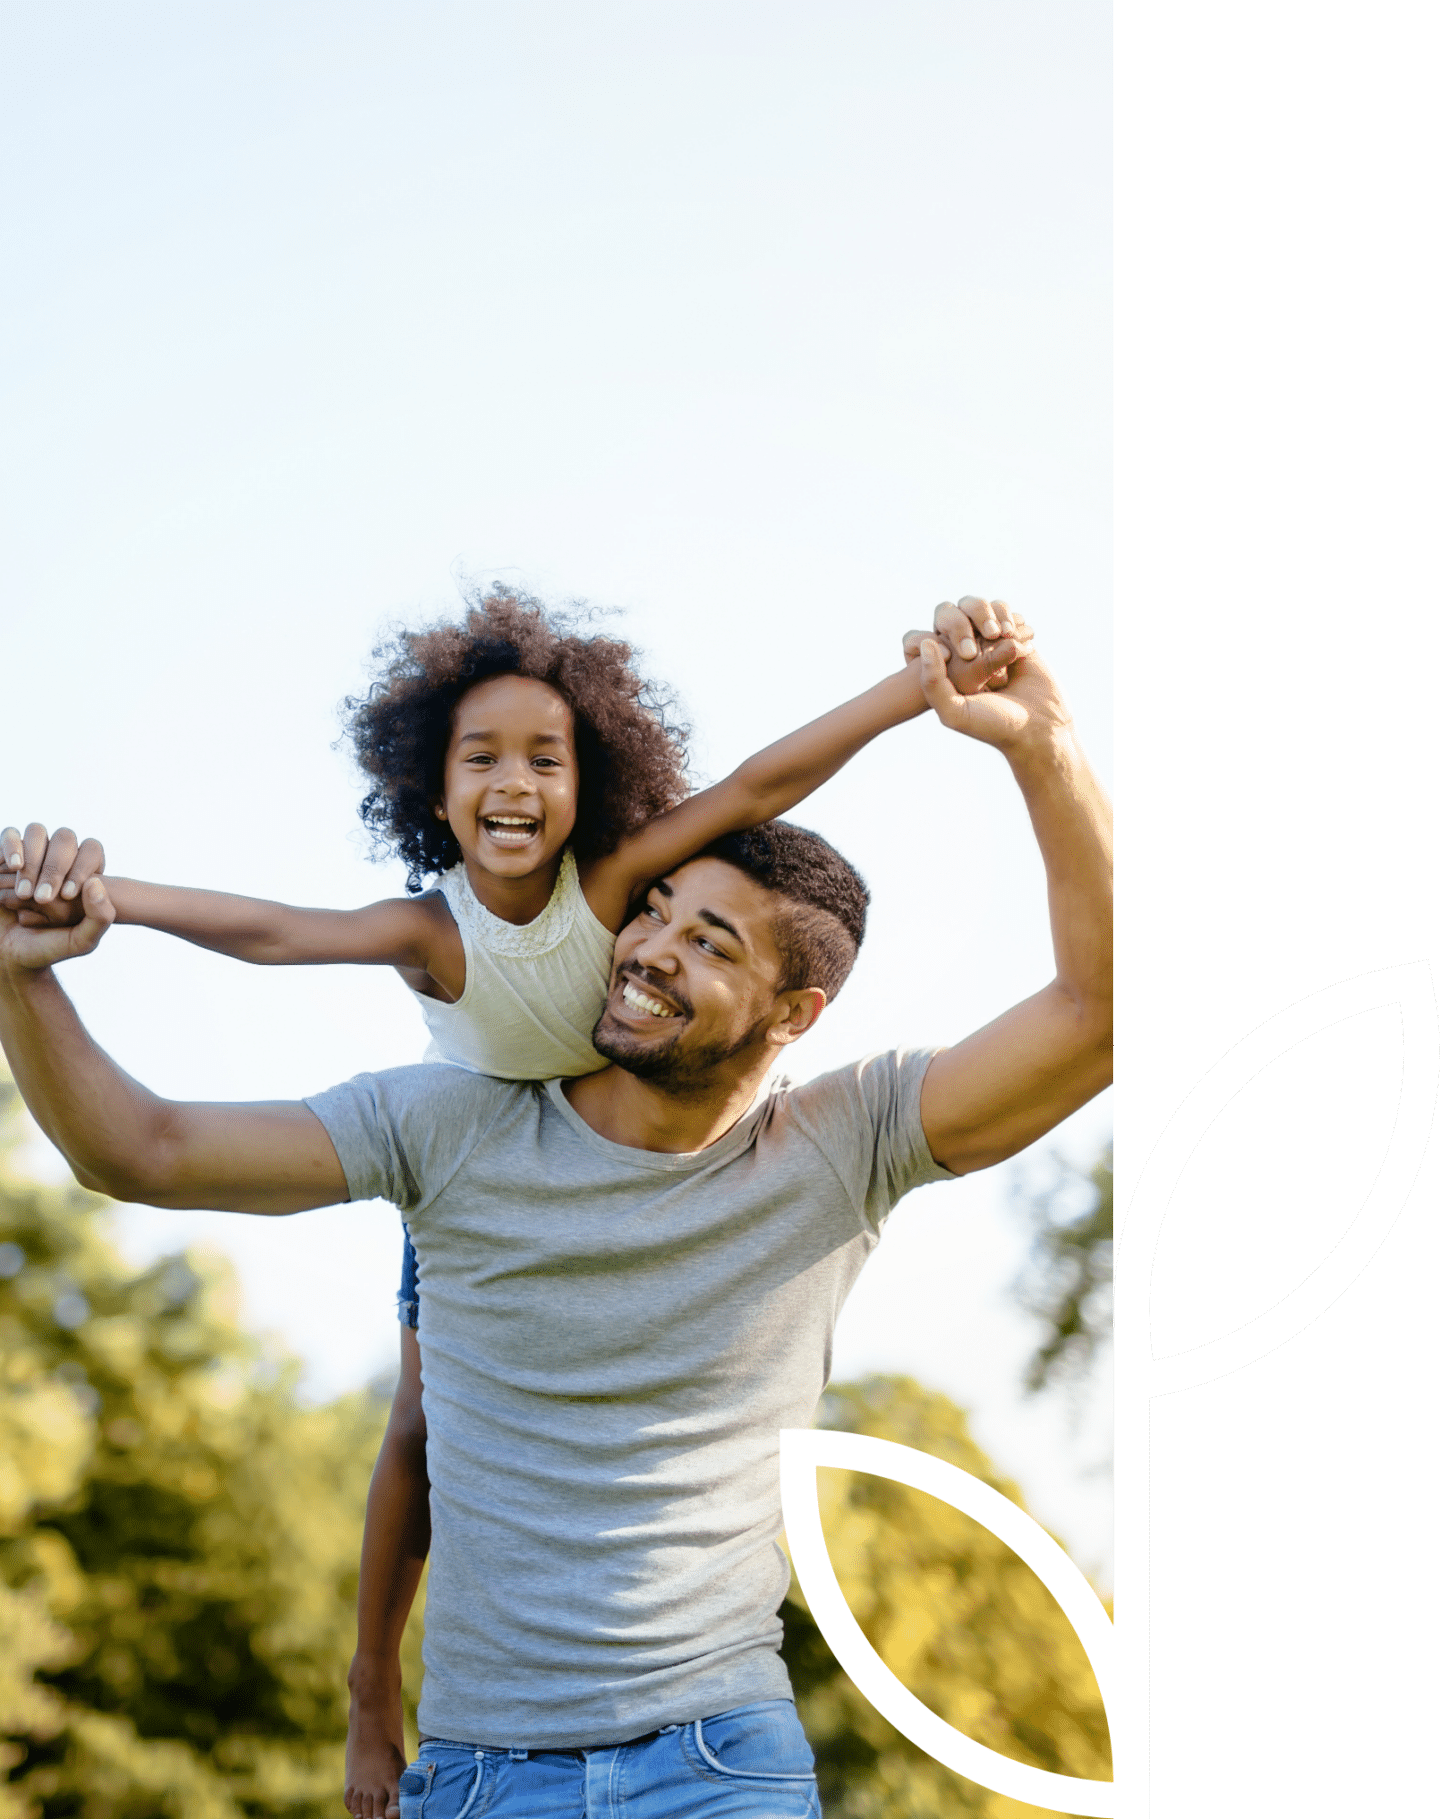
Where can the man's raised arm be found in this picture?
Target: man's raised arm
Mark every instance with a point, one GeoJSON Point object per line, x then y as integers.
{"type": "Point", "coordinates": [119, 1138]}
{"type": "Point", "coordinates": [1012, 1081]}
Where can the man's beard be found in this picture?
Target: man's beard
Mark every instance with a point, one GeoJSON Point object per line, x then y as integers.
{"type": "Point", "coordinates": [677, 1070]}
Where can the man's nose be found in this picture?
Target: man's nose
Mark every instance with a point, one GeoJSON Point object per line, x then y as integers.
{"type": "Point", "coordinates": [656, 950]}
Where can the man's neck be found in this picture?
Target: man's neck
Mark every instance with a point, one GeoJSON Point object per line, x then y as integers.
{"type": "Point", "coordinates": [644, 1116]}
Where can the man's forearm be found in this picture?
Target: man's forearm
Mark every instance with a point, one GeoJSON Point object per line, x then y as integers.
{"type": "Point", "coordinates": [104, 1123]}
{"type": "Point", "coordinates": [123, 1140]}
{"type": "Point", "coordinates": [1072, 822]}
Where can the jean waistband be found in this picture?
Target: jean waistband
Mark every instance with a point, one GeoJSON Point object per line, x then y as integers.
{"type": "Point", "coordinates": [492, 1749]}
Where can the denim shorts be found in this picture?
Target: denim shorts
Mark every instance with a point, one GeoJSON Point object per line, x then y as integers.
{"type": "Point", "coordinates": [749, 1763]}
{"type": "Point", "coordinates": [407, 1302]}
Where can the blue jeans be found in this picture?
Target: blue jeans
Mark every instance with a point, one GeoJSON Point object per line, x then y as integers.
{"type": "Point", "coordinates": [749, 1763]}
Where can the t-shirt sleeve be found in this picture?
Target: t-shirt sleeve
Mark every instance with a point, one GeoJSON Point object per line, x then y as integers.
{"type": "Point", "coordinates": [865, 1120]}
{"type": "Point", "coordinates": [400, 1135]}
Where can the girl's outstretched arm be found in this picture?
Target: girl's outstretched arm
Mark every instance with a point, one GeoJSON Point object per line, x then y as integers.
{"type": "Point", "coordinates": [43, 879]}
{"type": "Point", "coordinates": [407, 932]}
{"type": "Point", "coordinates": [392, 1555]}
{"type": "Point", "coordinates": [766, 785]}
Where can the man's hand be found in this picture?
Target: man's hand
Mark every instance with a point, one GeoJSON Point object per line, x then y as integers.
{"type": "Point", "coordinates": [43, 875]}
{"type": "Point", "coordinates": [1030, 712]}
{"type": "Point", "coordinates": [28, 948]}
{"type": "Point", "coordinates": [983, 637]}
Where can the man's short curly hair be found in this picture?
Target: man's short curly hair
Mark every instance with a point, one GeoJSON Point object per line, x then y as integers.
{"type": "Point", "coordinates": [823, 900]}
{"type": "Point", "coordinates": [630, 751]}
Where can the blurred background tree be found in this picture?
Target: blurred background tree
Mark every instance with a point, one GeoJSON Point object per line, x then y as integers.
{"type": "Point", "coordinates": [953, 1612]}
{"type": "Point", "coordinates": [179, 1539]}
{"type": "Point", "coordinates": [1067, 1282]}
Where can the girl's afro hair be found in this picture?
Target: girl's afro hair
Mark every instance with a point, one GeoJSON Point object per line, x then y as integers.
{"type": "Point", "coordinates": [631, 753]}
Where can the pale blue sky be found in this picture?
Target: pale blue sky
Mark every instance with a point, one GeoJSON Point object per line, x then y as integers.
{"type": "Point", "coordinates": [769, 326]}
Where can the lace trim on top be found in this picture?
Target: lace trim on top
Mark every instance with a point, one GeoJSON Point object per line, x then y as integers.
{"type": "Point", "coordinates": [524, 940]}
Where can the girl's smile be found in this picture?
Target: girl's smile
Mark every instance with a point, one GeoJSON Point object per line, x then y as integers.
{"type": "Point", "coordinates": [511, 790]}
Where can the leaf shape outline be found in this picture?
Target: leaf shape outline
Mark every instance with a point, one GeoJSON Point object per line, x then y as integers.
{"type": "Point", "coordinates": [1140, 1377]}
{"type": "Point", "coordinates": [1410, 989]}
{"type": "Point", "coordinates": [802, 1450]}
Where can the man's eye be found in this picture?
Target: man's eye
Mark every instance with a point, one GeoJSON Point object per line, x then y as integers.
{"type": "Point", "coordinates": [709, 946]}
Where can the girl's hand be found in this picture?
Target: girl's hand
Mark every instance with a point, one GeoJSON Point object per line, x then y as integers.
{"type": "Point", "coordinates": [984, 637]}
{"type": "Point", "coordinates": [374, 1764]}
{"type": "Point", "coordinates": [42, 877]}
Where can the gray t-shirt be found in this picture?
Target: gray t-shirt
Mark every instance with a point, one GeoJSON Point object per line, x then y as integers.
{"type": "Point", "coordinates": [612, 1340]}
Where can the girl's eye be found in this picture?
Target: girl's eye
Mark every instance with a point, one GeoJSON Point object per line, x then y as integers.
{"type": "Point", "coordinates": [481, 758]}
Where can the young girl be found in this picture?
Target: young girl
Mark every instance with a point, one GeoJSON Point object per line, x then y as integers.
{"type": "Point", "coordinates": [534, 775]}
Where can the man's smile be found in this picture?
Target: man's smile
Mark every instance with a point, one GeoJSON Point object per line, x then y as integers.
{"type": "Point", "coordinates": [643, 1002]}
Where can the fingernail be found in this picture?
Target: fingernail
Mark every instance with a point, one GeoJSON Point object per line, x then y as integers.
{"type": "Point", "coordinates": [69, 888]}
{"type": "Point", "coordinates": [991, 628]}
{"type": "Point", "coordinates": [44, 893]}
{"type": "Point", "coordinates": [968, 648]}
{"type": "Point", "coordinates": [24, 888]}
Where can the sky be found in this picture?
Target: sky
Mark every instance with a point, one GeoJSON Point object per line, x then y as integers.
{"type": "Point", "coordinates": [765, 328]}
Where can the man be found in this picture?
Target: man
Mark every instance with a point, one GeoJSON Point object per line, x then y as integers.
{"type": "Point", "coordinates": [630, 1279]}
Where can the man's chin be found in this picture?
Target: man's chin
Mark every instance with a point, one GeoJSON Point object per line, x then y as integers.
{"type": "Point", "coordinates": [647, 1057]}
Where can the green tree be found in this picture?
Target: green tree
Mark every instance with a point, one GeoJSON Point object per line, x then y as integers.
{"type": "Point", "coordinates": [962, 1621]}
{"type": "Point", "coordinates": [1068, 1279]}
{"type": "Point", "coordinates": [178, 1539]}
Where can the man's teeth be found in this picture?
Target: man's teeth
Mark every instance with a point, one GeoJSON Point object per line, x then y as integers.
{"type": "Point", "coordinates": [638, 1001]}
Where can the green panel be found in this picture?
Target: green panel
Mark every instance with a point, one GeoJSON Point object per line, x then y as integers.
{"type": "Point", "coordinates": [1277, 666]}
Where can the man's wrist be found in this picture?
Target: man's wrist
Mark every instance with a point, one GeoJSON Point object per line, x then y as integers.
{"type": "Point", "coordinates": [1045, 749]}
{"type": "Point", "coordinates": [17, 978]}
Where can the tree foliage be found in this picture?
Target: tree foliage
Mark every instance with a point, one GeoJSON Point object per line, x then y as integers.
{"type": "Point", "coordinates": [178, 1539]}
{"type": "Point", "coordinates": [953, 1612]}
{"type": "Point", "coordinates": [1067, 1282]}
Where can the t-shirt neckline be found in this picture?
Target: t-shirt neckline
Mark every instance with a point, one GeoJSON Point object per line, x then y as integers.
{"type": "Point", "coordinates": [664, 1161]}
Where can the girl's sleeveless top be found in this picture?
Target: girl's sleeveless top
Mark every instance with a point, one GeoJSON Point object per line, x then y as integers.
{"type": "Point", "coordinates": [533, 991]}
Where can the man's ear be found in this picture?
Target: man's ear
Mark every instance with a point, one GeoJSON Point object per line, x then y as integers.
{"type": "Point", "coordinates": [795, 1012]}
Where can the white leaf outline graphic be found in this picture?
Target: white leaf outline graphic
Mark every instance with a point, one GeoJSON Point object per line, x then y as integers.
{"type": "Point", "coordinates": [802, 1450]}
{"type": "Point", "coordinates": [1142, 1377]}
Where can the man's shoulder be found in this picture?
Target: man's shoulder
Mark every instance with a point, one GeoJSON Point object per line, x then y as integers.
{"type": "Point", "coordinates": [440, 1095]}
{"type": "Point", "coordinates": [870, 1079]}
{"type": "Point", "coordinates": [404, 1133]}
{"type": "Point", "coordinates": [863, 1121]}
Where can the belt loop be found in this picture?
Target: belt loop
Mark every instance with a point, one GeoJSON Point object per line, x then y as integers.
{"type": "Point", "coordinates": [518, 1755]}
